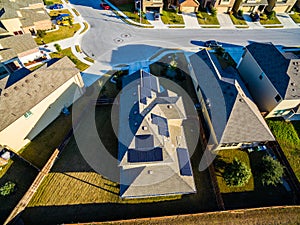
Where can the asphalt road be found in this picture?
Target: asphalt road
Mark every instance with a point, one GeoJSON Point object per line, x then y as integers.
{"type": "Point", "coordinates": [110, 41]}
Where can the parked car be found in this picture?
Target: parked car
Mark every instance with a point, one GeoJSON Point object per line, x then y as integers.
{"type": "Point", "coordinates": [212, 44]}
{"type": "Point", "coordinates": [56, 6]}
{"type": "Point", "coordinates": [104, 6]}
{"type": "Point", "coordinates": [63, 19]}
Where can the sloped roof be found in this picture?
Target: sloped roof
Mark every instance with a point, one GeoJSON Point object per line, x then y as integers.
{"type": "Point", "coordinates": [145, 126]}
{"type": "Point", "coordinates": [235, 118]}
{"type": "Point", "coordinates": [32, 89]}
{"type": "Point", "coordinates": [283, 70]}
{"type": "Point", "coordinates": [30, 16]}
{"type": "Point", "coordinates": [11, 46]}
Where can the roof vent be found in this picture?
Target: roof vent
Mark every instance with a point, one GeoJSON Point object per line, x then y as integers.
{"type": "Point", "coordinates": [5, 94]}
{"type": "Point", "coordinates": [26, 81]}
{"type": "Point", "coordinates": [293, 84]}
{"type": "Point", "coordinates": [150, 172]}
{"type": "Point", "coordinates": [135, 124]}
{"type": "Point", "coordinates": [16, 88]}
{"type": "Point", "coordinates": [241, 100]}
{"type": "Point", "coordinates": [135, 112]}
{"type": "Point", "coordinates": [134, 93]}
{"type": "Point", "coordinates": [169, 106]}
{"type": "Point", "coordinates": [144, 128]}
{"type": "Point", "coordinates": [35, 75]}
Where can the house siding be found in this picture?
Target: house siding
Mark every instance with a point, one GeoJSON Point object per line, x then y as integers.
{"type": "Point", "coordinates": [23, 130]}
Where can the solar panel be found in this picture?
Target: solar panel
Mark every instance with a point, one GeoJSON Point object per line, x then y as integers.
{"type": "Point", "coordinates": [184, 162]}
{"type": "Point", "coordinates": [144, 141]}
{"type": "Point", "coordinates": [151, 155]}
{"type": "Point", "coordinates": [162, 124]}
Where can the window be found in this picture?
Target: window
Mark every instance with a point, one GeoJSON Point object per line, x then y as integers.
{"type": "Point", "coordinates": [27, 114]}
{"type": "Point", "coordinates": [277, 98]}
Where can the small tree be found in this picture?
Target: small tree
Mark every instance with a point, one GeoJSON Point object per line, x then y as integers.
{"type": "Point", "coordinates": [213, 11]}
{"type": "Point", "coordinates": [240, 12]}
{"type": "Point", "coordinates": [70, 21]}
{"type": "Point", "coordinates": [270, 171]}
{"type": "Point", "coordinates": [40, 33]}
{"type": "Point", "coordinates": [220, 51]}
{"type": "Point", "coordinates": [7, 189]}
{"type": "Point", "coordinates": [271, 15]}
{"type": "Point", "coordinates": [58, 48]}
{"type": "Point", "coordinates": [236, 174]}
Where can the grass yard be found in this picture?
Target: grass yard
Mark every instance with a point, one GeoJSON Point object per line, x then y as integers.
{"type": "Point", "coordinates": [86, 26]}
{"type": "Point", "coordinates": [55, 13]}
{"type": "Point", "coordinates": [287, 134]}
{"type": "Point", "coordinates": [265, 21]}
{"type": "Point", "coordinates": [227, 156]}
{"type": "Point", "coordinates": [62, 33]}
{"type": "Point", "coordinates": [23, 175]}
{"type": "Point", "coordinates": [128, 10]}
{"type": "Point", "coordinates": [51, 2]}
{"type": "Point", "coordinates": [76, 12]}
{"type": "Point", "coordinates": [89, 59]}
{"type": "Point", "coordinates": [295, 16]}
{"type": "Point", "coordinates": [67, 52]}
{"type": "Point", "coordinates": [237, 21]}
{"type": "Point", "coordinates": [205, 19]}
{"type": "Point", "coordinates": [171, 17]}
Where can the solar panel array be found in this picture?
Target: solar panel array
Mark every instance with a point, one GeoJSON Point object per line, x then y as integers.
{"type": "Point", "coordinates": [162, 124]}
{"type": "Point", "coordinates": [184, 162]}
{"type": "Point", "coordinates": [151, 155]}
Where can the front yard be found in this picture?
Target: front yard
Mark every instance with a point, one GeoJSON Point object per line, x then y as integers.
{"type": "Point", "coordinates": [62, 33]}
{"type": "Point", "coordinates": [205, 19]}
{"type": "Point", "coordinates": [295, 16]}
{"type": "Point", "coordinates": [129, 10]}
{"type": "Point", "coordinates": [237, 21]}
{"type": "Point", "coordinates": [265, 21]}
{"type": "Point", "coordinates": [55, 13]}
{"type": "Point", "coordinates": [171, 17]}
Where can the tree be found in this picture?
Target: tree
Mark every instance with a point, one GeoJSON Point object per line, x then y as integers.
{"type": "Point", "coordinates": [7, 189]}
{"type": "Point", "coordinates": [270, 6]}
{"type": "Point", "coordinates": [270, 171]}
{"type": "Point", "coordinates": [58, 48]}
{"type": "Point", "coordinates": [70, 21]}
{"type": "Point", "coordinates": [236, 174]}
{"type": "Point", "coordinates": [236, 6]}
{"type": "Point", "coordinates": [40, 33]}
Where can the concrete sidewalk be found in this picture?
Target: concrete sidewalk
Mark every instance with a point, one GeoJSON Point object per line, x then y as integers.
{"type": "Point", "coordinates": [286, 20]}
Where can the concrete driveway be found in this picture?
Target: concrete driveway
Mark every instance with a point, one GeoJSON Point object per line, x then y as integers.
{"type": "Point", "coordinates": [190, 20]}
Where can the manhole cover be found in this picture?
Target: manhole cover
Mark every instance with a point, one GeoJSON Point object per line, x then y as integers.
{"type": "Point", "coordinates": [125, 35]}
{"type": "Point", "coordinates": [118, 40]}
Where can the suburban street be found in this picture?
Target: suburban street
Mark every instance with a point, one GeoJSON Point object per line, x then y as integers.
{"type": "Point", "coordinates": [111, 42]}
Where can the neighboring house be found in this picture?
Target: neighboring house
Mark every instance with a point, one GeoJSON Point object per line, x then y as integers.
{"type": "Point", "coordinates": [23, 16]}
{"type": "Point", "coordinates": [273, 79]}
{"type": "Point", "coordinates": [32, 102]}
{"type": "Point", "coordinates": [15, 51]}
{"type": "Point", "coordinates": [223, 6]}
{"type": "Point", "coordinates": [188, 5]}
{"type": "Point", "coordinates": [153, 155]}
{"type": "Point", "coordinates": [149, 5]}
{"type": "Point", "coordinates": [232, 118]}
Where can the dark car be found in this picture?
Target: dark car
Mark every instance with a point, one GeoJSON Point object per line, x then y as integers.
{"type": "Point", "coordinates": [104, 6]}
{"type": "Point", "coordinates": [56, 6]}
{"type": "Point", "coordinates": [212, 44]}
{"type": "Point", "coordinates": [255, 17]}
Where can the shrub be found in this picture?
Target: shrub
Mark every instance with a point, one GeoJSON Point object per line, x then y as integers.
{"type": "Point", "coordinates": [220, 51]}
{"type": "Point", "coordinates": [240, 13]}
{"type": "Point", "coordinates": [236, 174]}
{"type": "Point", "coordinates": [270, 171]}
{"type": "Point", "coordinates": [41, 33]}
{"type": "Point", "coordinates": [213, 11]}
{"type": "Point", "coordinates": [58, 48]}
{"type": "Point", "coordinates": [271, 15]}
{"type": "Point", "coordinates": [7, 189]}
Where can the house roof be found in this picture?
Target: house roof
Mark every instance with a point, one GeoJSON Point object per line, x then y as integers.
{"type": "Point", "coordinates": [32, 89]}
{"type": "Point", "coordinates": [189, 3]}
{"type": "Point", "coordinates": [11, 7]}
{"type": "Point", "coordinates": [283, 70]}
{"type": "Point", "coordinates": [234, 116]}
{"type": "Point", "coordinates": [11, 46]}
{"type": "Point", "coordinates": [152, 144]}
{"type": "Point", "coordinates": [30, 16]}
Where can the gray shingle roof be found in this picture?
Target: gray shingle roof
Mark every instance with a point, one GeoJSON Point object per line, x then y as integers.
{"type": "Point", "coordinates": [32, 89]}
{"type": "Point", "coordinates": [30, 16]}
{"type": "Point", "coordinates": [281, 69]}
{"type": "Point", "coordinates": [234, 116]}
{"type": "Point", "coordinates": [14, 45]}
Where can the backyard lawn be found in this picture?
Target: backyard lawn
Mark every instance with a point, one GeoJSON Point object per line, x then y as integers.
{"type": "Point", "coordinates": [171, 17]}
{"type": "Point", "coordinates": [62, 33]}
{"type": "Point", "coordinates": [287, 134]}
{"type": "Point", "coordinates": [227, 156]}
{"type": "Point", "coordinates": [205, 19]}
{"type": "Point", "coordinates": [67, 52]}
{"type": "Point", "coordinates": [129, 10]}
{"type": "Point", "coordinates": [295, 16]}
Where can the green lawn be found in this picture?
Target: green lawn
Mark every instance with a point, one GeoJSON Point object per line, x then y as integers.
{"type": "Point", "coordinates": [205, 19]}
{"type": "Point", "coordinates": [237, 21]}
{"type": "Point", "coordinates": [287, 134]}
{"type": "Point", "coordinates": [171, 17]}
{"type": "Point", "coordinates": [227, 156]}
{"type": "Point", "coordinates": [265, 21]}
{"type": "Point", "coordinates": [86, 26]}
{"type": "Point", "coordinates": [62, 33]}
{"type": "Point", "coordinates": [51, 2]}
{"type": "Point", "coordinates": [128, 10]}
{"type": "Point", "coordinates": [67, 52]}
{"type": "Point", "coordinates": [89, 59]}
{"type": "Point", "coordinates": [76, 12]}
{"type": "Point", "coordinates": [295, 16]}
{"type": "Point", "coordinates": [55, 13]}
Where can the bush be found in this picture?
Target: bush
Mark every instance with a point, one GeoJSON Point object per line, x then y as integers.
{"type": "Point", "coordinates": [41, 33]}
{"type": "Point", "coordinates": [270, 171]}
{"type": "Point", "coordinates": [236, 174]}
{"type": "Point", "coordinates": [58, 48]}
{"type": "Point", "coordinates": [240, 13]}
{"type": "Point", "coordinates": [271, 15]}
{"type": "Point", "coordinates": [220, 51]}
{"type": "Point", "coordinates": [213, 11]}
{"type": "Point", "coordinates": [7, 189]}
